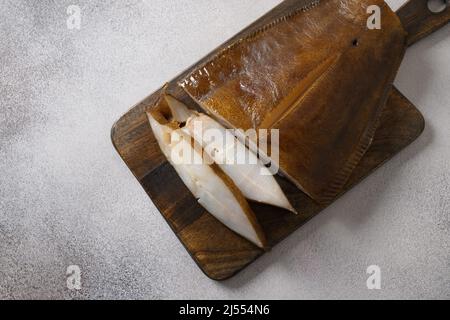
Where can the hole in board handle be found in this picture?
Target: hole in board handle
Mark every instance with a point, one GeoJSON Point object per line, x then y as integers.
{"type": "Point", "coordinates": [437, 6]}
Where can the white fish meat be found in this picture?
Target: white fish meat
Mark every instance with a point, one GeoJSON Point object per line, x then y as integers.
{"type": "Point", "coordinates": [179, 110]}
{"type": "Point", "coordinates": [242, 165]}
{"type": "Point", "coordinates": [213, 189]}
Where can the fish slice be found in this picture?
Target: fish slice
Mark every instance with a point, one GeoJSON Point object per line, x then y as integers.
{"type": "Point", "coordinates": [320, 76]}
{"type": "Point", "coordinates": [248, 173]}
{"type": "Point", "coordinates": [213, 189]}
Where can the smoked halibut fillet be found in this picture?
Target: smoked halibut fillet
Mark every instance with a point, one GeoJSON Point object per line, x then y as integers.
{"type": "Point", "coordinates": [213, 189]}
{"type": "Point", "coordinates": [248, 173]}
{"type": "Point", "coordinates": [319, 75]}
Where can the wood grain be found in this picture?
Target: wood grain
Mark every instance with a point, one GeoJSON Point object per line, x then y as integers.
{"type": "Point", "coordinates": [219, 252]}
{"type": "Point", "coordinates": [419, 21]}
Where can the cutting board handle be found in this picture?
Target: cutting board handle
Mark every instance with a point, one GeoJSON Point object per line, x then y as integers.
{"type": "Point", "coordinates": [418, 19]}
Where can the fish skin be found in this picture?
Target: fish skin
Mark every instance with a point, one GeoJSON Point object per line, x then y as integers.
{"type": "Point", "coordinates": [320, 76]}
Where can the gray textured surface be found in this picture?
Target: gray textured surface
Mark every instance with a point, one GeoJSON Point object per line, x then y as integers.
{"type": "Point", "coordinates": [67, 198]}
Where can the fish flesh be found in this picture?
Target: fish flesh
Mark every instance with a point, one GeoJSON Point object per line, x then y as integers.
{"type": "Point", "coordinates": [248, 173]}
{"type": "Point", "coordinates": [213, 189]}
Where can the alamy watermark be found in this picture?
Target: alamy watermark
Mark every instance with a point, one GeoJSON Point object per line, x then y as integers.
{"type": "Point", "coordinates": [74, 17]}
{"type": "Point", "coordinates": [226, 146]}
{"type": "Point", "coordinates": [374, 280]}
{"type": "Point", "coordinates": [374, 20]}
{"type": "Point", "coordinates": [73, 280]}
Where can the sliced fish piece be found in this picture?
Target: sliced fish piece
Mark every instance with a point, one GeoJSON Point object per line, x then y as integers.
{"type": "Point", "coordinates": [213, 189]}
{"type": "Point", "coordinates": [179, 110]}
{"type": "Point", "coordinates": [242, 165]}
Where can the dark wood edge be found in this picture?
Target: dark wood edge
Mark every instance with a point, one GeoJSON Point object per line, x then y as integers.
{"type": "Point", "coordinates": [419, 21]}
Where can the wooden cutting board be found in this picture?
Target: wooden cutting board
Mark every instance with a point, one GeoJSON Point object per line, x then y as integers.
{"type": "Point", "coordinates": [219, 252]}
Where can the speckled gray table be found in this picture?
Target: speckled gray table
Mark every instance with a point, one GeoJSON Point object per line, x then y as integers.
{"type": "Point", "coordinates": [66, 198]}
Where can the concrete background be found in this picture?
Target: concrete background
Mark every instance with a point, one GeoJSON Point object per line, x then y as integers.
{"type": "Point", "coordinates": [66, 198]}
